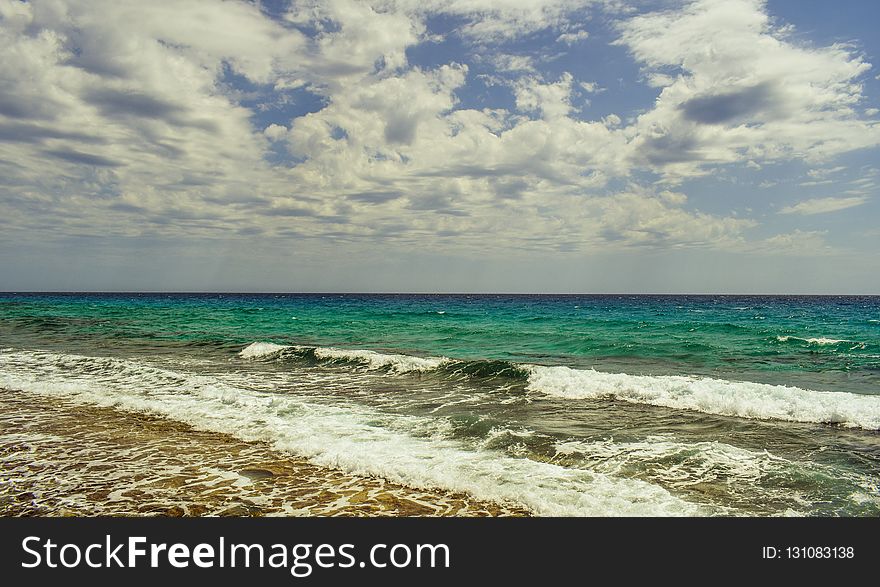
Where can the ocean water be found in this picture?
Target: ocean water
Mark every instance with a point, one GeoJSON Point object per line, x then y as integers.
{"type": "Point", "coordinates": [558, 405]}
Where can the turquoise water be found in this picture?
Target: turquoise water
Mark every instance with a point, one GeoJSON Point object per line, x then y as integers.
{"type": "Point", "coordinates": [753, 405]}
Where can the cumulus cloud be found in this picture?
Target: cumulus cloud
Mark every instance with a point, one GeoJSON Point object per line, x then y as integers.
{"type": "Point", "coordinates": [644, 219]}
{"type": "Point", "coordinates": [551, 100]}
{"type": "Point", "coordinates": [737, 88]}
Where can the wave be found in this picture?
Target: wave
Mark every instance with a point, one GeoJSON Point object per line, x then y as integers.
{"type": "Point", "coordinates": [721, 397]}
{"type": "Point", "coordinates": [393, 363]}
{"type": "Point", "coordinates": [370, 359]}
{"type": "Point", "coordinates": [352, 438]}
{"type": "Point", "coordinates": [824, 341]}
{"type": "Point", "coordinates": [261, 349]}
{"type": "Point", "coordinates": [679, 464]}
{"type": "Point", "coordinates": [693, 462]}
{"type": "Point", "coordinates": [818, 340]}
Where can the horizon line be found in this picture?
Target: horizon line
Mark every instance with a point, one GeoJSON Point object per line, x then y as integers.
{"type": "Point", "coordinates": [435, 293]}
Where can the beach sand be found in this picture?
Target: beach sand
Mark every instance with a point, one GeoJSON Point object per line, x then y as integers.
{"type": "Point", "coordinates": [61, 459]}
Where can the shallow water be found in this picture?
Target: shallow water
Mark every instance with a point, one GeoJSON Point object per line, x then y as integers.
{"type": "Point", "coordinates": [64, 459]}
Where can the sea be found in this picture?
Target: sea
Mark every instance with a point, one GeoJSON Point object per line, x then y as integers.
{"type": "Point", "coordinates": [416, 404]}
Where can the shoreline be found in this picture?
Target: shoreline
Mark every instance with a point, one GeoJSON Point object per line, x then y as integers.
{"type": "Point", "coordinates": [64, 459]}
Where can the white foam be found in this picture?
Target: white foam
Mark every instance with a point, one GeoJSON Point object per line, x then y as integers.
{"type": "Point", "coordinates": [261, 349]}
{"type": "Point", "coordinates": [352, 438]}
{"type": "Point", "coordinates": [818, 340]}
{"type": "Point", "coordinates": [370, 359]}
{"type": "Point", "coordinates": [685, 463]}
{"type": "Point", "coordinates": [374, 360]}
{"type": "Point", "coordinates": [673, 463]}
{"type": "Point", "coordinates": [711, 396]}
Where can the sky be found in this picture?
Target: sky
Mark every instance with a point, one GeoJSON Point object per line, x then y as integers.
{"type": "Point", "coordinates": [593, 146]}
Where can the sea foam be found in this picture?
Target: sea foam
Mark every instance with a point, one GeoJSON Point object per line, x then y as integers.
{"type": "Point", "coordinates": [711, 396]}
{"type": "Point", "coordinates": [374, 360]}
{"type": "Point", "coordinates": [821, 340]}
{"type": "Point", "coordinates": [261, 349]}
{"type": "Point", "coordinates": [370, 359]}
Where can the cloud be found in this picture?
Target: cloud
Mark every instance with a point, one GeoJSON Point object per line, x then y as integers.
{"type": "Point", "coordinates": [591, 87]}
{"type": "Point", "coordinates": [730, 106]}
{"type": "Point", "coordinates": [72, 156]}
{"type": "Point", "coordinates": [504, 62]}
{"type": "Point", "coordinates": [170, 120]}
{"type": "Point", "coordinates": [17, 132]}
{"type": "Point", "coordinates": [551, 100]}
{"type": "Point", "coordinates": [572, 38]}
{"type": "Point", "coordinates": [648, 220]}
{"type": "Point", "coordinates": [498, 21]}
{"type": "Point", "coordinates": [131, 103]}
{"type": "Point", "coordinates": [736, 88]}
{"type": "Point", "coordinates": [375, 197]}
{"type": "Point", "coordinates": [823, 205]}
{"type": "Point", "coordinates": [794, 243]}
{"type": "Point", "coordinates": [824, 172]}
{"type": "Point", "coordinates": [275, 132]}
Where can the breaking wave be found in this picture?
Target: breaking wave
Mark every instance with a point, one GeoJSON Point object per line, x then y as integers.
{"type": "Point", "coordinates": [722, 397]}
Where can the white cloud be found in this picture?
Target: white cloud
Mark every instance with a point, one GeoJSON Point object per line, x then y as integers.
{"type": "Point", "coordinates": [591, 87]}
{"type": "Point", "coordinates": [641, 219]}
{"type": "Point", "coordinates": [734, 88]}
{"type": "Point", "coordinates": [823, 205]}
{"type": "Point", "coordinates": [825, 171]}
{"type": "Point", "coordinates": [504, 62]}
{"type": "Point", "coordinates": [572, 38]}
{"type": "Point", "coordinates": [611, 120]}
{"type": "Point", "coordinates": [363, 35]}
{"type": "Point", "coordinates": [275, 132]}
{"type": "Point", "coordinates": [493, 21]}
{"type": "Point", "coordinates": [799, 242]}
{"type": "Point", "coordinates": [552, 100]}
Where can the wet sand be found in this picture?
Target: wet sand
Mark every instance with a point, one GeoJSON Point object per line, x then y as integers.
{"type": "Point", "coordinates": [61, 459]}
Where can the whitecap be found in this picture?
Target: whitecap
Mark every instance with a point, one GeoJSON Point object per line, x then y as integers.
{"type": "Point", "coordinates": [711, 396]}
